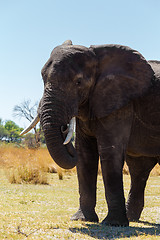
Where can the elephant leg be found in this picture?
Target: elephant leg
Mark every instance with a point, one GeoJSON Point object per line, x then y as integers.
{"type": "Point", "coordinates": [112, 166]}
{"type": "Point", "coordinates": [113, 135]}
{"type": "Point", "coordinates": [87, 169]}
{"type": "Point", "coordinates": [139, 169]}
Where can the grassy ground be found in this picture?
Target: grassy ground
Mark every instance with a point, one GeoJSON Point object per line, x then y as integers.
{"type": "Point", "coordinates": [38, 211]}
{"type": "Point", "coordinates": [44, 211]}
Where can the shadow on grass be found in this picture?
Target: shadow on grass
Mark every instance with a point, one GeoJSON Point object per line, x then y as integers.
{"type": "Point", "coordinates": [99, 231]}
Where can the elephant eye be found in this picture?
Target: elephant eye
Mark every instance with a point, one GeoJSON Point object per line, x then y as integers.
{"type": "Point", "coordinates": [79, 80]}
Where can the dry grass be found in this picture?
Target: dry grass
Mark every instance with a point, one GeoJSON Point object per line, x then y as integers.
{"type": "Point", "coordinates": [156, 171]}
{"type": "Point", "coordinates": [11, 156]}
{"type": "Point", "coordinates": [23, 165]}
{"type": "Point", "coordinates": [43, 211]}
{"type": "Point", "coordinates": [26, 174]}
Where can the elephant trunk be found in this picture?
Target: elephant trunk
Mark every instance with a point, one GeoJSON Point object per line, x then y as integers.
{"type": "Point", "coordinates": [55, 130]}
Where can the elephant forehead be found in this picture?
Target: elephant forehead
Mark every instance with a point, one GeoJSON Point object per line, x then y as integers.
{"type": "Point", "coordinates": [68, 69]}
{"type": "Point", "coordinates": [62, 52]}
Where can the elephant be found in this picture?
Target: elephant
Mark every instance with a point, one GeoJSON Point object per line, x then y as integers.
{"type": "Point", "coordinates": [111, 92]}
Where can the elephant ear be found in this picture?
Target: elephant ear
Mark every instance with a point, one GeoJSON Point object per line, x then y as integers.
{"type": "Point", "coordinates": [122, 75]}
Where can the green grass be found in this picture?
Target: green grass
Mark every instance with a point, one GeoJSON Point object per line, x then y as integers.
{"type": "Point", "coordinates": [44, 211]}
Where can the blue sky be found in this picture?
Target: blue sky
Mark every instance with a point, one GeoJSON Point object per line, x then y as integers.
{"type": "Point", "coordinates": [29, 30]}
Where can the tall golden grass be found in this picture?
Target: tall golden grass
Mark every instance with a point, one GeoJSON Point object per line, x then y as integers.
{"type": "Point", "coordinates": [27, 165]}
{"type": "Point", "coordinates": [11, 156]}
{"type": "Point", "coordinates": [30, 165]}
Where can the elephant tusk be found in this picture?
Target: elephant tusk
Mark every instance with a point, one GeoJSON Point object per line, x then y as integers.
{"type": "Point", "coordinates": [32, 125]}
{"type": "Point", "coordinates": [71, 130]}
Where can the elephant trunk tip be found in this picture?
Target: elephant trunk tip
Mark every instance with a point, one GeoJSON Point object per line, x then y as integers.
{"type": "Point", "coordinates": [65, 161]}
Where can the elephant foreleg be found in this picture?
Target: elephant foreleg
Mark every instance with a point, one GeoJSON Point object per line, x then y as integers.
{"type": "Point", "coordinates": [113, 182]}
{"type": "Point", "coordinates": [112, 137]}
{"type": "Point", "coordinates": [87, 168]}
{"type": "Point", "coordinates": [139, 169]}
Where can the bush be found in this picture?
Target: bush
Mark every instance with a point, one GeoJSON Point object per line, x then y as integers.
{"type": "Point", "coordinates": [30, 141]}
{"type": "Point", "coordinates": [26, 174]}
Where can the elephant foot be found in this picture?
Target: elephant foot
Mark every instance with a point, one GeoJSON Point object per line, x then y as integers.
{"type": "Point", "coordinates": [88, 216]}
{"type": "Point", "coordinates": [133, 216]}
{"type": "Point", "coordinates": [134, 210]}
{"type": "Point", "coordinates": [116, 221]}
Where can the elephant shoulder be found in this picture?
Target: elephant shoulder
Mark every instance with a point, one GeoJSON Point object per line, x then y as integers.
{"type": "Point", "coordinates": [123, 74]}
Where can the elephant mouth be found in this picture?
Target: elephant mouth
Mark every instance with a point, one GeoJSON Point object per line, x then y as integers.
{"type": "Point", "coordinates": [64, 128]}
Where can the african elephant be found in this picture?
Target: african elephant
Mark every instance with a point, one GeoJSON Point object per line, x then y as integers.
{"type": "Point", "coordinates": [104, 87]}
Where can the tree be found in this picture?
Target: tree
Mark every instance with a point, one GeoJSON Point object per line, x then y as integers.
{"type": "Point", "coordinates": [25, 110]}
{"type": "Point", "coordinates": [3, 132]}
{"type": "Point", "coordinates": [13, 131]}
{"type": "Point", "coordinates": [28, 111]}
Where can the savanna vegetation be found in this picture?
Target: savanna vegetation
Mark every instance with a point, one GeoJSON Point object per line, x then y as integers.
{"type": "Point", "coordinates": [38, 199]}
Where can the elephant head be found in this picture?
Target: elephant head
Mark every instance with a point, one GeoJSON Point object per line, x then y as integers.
{"type": "Point", "coordinates": [87, 83]}
{"type": "Point", "coordinates": [68, 76]}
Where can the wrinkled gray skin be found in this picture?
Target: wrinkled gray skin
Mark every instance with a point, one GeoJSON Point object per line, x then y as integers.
{"type": "Point", "coordinates": [109, 89]}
